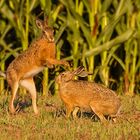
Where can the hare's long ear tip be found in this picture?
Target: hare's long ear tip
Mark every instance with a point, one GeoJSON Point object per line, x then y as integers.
{"type": "Point", "coordinates": [38, 23]}
{"type": "Point", "coordinates": [81, 67]}
{"type": "Point", "coordinates": [37, 19]}
{"type": "Point", "coordinates": [80, 71]}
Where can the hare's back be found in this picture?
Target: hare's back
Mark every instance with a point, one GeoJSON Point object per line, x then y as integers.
{"type": "Point", "coordinates": [103, 91]}
{"type": "Point", "coordinates": [95, 90]}
{"type": "Point", "coordinates": [87, 90]}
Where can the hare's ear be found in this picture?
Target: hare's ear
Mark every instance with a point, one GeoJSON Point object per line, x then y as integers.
{"type": "Point", "coordinates": [39, 23]}
{"type": "Point", "coordinates": [80, 71]}
{"type": "Point", "coordinates": [83, 74]}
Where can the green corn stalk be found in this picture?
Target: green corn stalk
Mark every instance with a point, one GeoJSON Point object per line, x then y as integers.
{"type": "Point", "coordinates": [2, 67]}
{"type": "Point", "coordinates": [25, 42]}
{"type": "Point", "coordinates": [93, 10]}
{"type": "Point", "coordinates": [3, 31]}
{"type": "Point", "coordinates": [104, 73]}
{"type": "Point", "coordinates": [131, 59]}
{"type": "Point", "coordinates": [77, 19]}
{"type": "Point", "coordinates": [58, 56]}
{"type": "Point", "coordinates": [134, 56]}
{"type": "Point", "coordinates": [79, 10]}
{"type": "Point", "coordinates": [110, 44]}
{"type": "Point", "coordinates": [45, 82]}
{"type": "Point", "coordinates": [104, 55]}
{"type": "Point", "coordinates": [59, 42]}
{"type": "Point", "coordinates": [17, 14]}
{"type": "Point", "coordinates": [73, 27]}
{"type": "Point", "coordinates": [133, 69]}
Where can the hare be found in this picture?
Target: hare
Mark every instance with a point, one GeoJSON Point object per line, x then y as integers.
{"type": "Point", "coordinates": [22, 69]}
{"type": "Point", "coordinates": [86, 95]}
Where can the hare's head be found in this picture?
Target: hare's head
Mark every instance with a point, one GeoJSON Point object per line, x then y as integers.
{"type": "Point", "coordinates": [69, 75]}
{"type": "Point", "coordinates": [47, 31]}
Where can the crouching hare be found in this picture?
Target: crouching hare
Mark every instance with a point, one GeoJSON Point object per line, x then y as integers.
{"type": "Point", "coordinates": [86, 95]}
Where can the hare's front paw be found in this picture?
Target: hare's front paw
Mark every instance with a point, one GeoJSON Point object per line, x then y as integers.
{"type": "Point", "coordinates": [50, 66]}
{"type": "Point", "coordinates": [65, 63]}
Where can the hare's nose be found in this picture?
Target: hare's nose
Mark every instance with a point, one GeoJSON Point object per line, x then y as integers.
{"type": "Point", "coordinates": [49, 36]}
{"type": "Point", "coordinates": [51, 39]}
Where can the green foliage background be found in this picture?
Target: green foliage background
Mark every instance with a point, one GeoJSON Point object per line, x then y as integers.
{"type": "Point", "coordinates": [102, 35]}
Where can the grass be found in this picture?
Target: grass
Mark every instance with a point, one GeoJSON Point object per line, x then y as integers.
{"type": "Point", "coordinates": [50, 125]}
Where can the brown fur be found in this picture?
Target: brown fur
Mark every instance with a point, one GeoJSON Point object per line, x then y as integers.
{"type": "Point", "coordinates": [41, 53]}
{"type": "Point", "coordinates": [87, 95]}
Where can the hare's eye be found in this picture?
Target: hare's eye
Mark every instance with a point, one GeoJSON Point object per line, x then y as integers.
{"type": "Point", "coordinates": [63, 75]}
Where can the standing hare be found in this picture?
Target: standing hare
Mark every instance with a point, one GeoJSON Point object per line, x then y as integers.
{"type": "Point", "coordinates": [86, 95]}
{"type": "Point", "coordinates": [22, 69]}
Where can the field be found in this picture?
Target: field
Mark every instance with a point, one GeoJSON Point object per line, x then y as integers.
{"type": "Point", "coordinates": [52, 125]}
{"type": "Point", "coordinates": [101, 35]}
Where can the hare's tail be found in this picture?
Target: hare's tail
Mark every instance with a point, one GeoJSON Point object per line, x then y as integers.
{"type": "Point", "coordinates": [2, 74]}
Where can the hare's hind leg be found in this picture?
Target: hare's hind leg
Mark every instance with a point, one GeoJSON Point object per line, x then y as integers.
{"type": "Point", "coordinates": [95, 106]}
{"type": "Point", "coordinates": [14, 88]}
{"type": "Point", "coordinates": [75, 111]}
{"type": "Point", "coordinates": [113, 118]}
{"type": "Point", "coordinates": [69, 109]}
{"type": "Point", "coordinates": [30, 86]}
